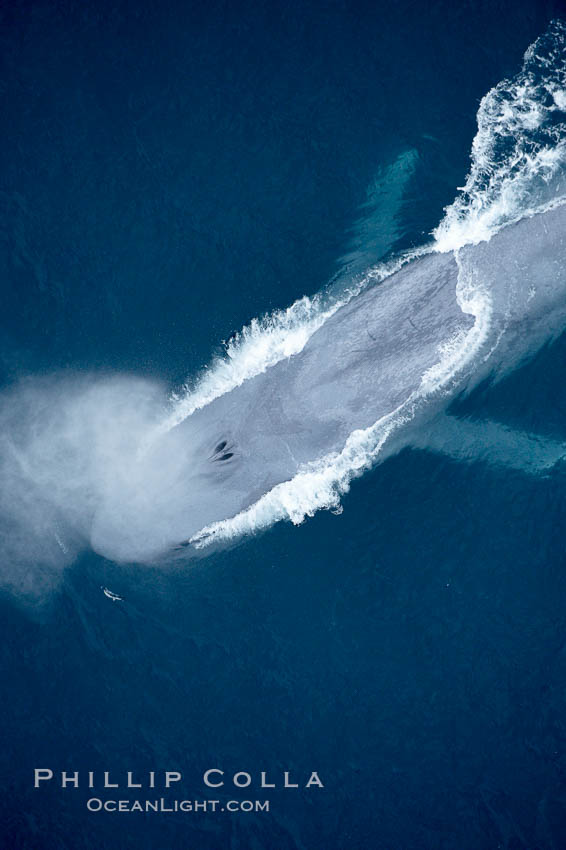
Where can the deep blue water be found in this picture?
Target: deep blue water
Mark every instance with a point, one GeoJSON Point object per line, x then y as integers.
{"type": "Point", "coordinates": [169, 172]}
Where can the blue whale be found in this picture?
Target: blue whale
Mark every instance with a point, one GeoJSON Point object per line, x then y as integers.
{"type": "Point", "coordinates": [378, 375]}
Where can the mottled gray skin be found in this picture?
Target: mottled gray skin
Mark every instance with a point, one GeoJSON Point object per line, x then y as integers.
{"type": "Point", "coordinates": [363, 363]}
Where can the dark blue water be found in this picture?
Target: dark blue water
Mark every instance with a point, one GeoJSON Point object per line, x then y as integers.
{"type": "Point", "coordinates": [170, 171]}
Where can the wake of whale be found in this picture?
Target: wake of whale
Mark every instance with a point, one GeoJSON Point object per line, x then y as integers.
{"type": "Point", "coordinates": [306, 399]}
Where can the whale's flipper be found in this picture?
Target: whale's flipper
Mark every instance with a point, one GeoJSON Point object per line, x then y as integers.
{"type": "Point", "coordinates": [492, 442]}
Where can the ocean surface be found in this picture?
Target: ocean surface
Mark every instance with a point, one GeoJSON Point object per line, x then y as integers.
{"type": "Point", "coordinates": [188, 191]}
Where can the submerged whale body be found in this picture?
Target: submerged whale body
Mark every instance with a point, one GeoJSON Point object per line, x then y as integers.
{"type": "Point", "coordinates": [396, 352]}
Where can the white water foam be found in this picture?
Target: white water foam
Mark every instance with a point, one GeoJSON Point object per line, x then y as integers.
{"type": "Point", "coordinates": [518, 160]}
